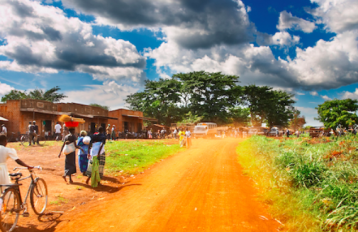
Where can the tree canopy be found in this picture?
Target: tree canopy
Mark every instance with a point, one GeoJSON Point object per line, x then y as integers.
{"type": "Point", "coordinates": [51, 95]}
{"type": "Point", "coordinates": [338, 112]}
{"type": "Point", "coordinates": [213, 97]}
{"type": "Point", "coordinates": [101, 106]}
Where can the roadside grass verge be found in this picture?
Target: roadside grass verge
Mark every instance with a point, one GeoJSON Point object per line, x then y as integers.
{"type": "Point", "coordinates": [133, 157]}
{"type": "Point", "coordinates": [311, 184]}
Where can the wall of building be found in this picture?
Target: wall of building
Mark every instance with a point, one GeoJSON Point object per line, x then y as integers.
{"type": "Point", "coordinates": [132, 121]}
{"type": "Point", "coordinates": [11, 111]}
{"type": "Point", "coordinates": [19, 118]}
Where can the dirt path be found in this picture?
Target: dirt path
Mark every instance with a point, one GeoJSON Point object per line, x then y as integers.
{"type": "Point", "coordinates": [201, 189]}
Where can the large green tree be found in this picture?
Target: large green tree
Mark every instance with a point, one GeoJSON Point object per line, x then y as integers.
{"type": "Point", "coordinates": [160, 99]}
{"type": "Point", "coordinates": [267, 105]}
{"type": "Point", "coordinates": [51, 95]}
{"type": "Point", "coordinates": [240, 116]}
{"type": "Point", "coordinates": [209, 95]}
{"type": "Point", "coordinates": [338, 112]}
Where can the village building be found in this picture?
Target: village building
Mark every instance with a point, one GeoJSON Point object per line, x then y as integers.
{"type": "Point", "coordinates": [128, 120]}
{"type": "Point", "coordinates": [46, 114]}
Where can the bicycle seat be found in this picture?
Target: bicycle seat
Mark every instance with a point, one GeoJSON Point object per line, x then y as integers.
{"type": "Point", "coordinates": [18, 174]}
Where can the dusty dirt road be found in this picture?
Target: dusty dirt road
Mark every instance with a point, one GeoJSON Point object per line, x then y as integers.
{"type": "Point", "coordinates": [200, 189]}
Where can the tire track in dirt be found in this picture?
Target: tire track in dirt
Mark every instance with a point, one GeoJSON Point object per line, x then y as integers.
{"type": "Point", "coordinates": [200, 189]}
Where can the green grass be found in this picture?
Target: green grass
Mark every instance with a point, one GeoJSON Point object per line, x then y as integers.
{"type": "Point", "coordinates": [310, 186]}
{"type": "Point", "coordinates": [133, 157]}
{"type": "Point", "coordinates": [60, 199]}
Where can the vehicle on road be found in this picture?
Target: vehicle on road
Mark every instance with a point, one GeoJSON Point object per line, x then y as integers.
{"type": "Point", "coordinates": [12, 204]}
{"type": "Point", "coordinates": [274, 132]}
{"type": "Point", "coordinates": [252, 132]}
{"type": "Point", "coordinates": [205, 130]}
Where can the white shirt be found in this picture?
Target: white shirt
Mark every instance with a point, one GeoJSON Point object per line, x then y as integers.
{"type": "Point", "coordinates": [6, 153]}
{"type": "Point", "coordinates": [112, 128]}
{"type": "Point", "coordinates": [4, 130]}
{"type": "Point", "coordinates": [58, 128]}
{"type": "Point", "coordinates": [187, 134]}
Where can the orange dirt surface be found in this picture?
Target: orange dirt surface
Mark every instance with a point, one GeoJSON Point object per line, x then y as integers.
{"type": "Point", "coordinates": [199, 189]}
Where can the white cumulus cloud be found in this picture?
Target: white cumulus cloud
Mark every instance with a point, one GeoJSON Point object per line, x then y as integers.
{"type": "Point", "coordinates": [109, 94]}
{"type": "Point", "coordinates": [288, 21]}
{"type": "Point", "coordinates": [42, 39]}
{"type": "Point", "coordinates": [5, 89]}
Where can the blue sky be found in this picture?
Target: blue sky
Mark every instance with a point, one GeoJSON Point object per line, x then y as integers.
{"type": "Point", "coordinates": [103, 52]}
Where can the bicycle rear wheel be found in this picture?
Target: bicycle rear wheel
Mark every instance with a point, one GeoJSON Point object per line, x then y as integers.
{"type": "Point", "coordinates": [39, 196]}
{"type": "Point", "coordinates": [23, 140]}
{"type": "Point", "coordinates": [10, 209]}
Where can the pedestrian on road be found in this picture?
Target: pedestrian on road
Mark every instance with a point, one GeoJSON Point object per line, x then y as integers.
{"type": "Point", "coordinates": [181, 137]}
{"type": "Point", "coordinates": [188, 138]}
{"type": "Point", "coordinates": [69, 149]}
{"type": "Point", "coordinates": [98, 157]}
{"type": "Point", "coordinates": [82, 155]}
{"type": "Point", "coordinates": [175, 133]}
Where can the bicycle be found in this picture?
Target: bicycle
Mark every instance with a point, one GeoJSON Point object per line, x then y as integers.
{"type": "Point", "coordinates": [12, 203]}
{"type": "Point", "coordinates": [25, 138]}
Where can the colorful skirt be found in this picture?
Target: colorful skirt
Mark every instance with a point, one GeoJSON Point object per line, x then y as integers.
{"type": "Point", "coordinates": [83, 163]}
{"type": "Point", "coordinates": [102, 162]}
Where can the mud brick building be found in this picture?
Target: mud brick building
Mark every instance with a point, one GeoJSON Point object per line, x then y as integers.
{"type": "Point", "coordinates": [46, 114]}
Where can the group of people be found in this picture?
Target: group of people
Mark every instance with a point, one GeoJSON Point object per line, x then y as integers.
{"type": "Point", "coordinates": [111, 133]}
{"type": "Point", "coordinates": [91, 155]}
{"type": "Point", "coordinates": [33, 131]}
{"type": "Point", "coordinates": [183, 136]}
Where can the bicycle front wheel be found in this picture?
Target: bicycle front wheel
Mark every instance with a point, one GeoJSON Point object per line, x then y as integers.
{"type": "Point", "coordinates": [10, 209]}
{"type": "Point", "coordinates": [38, 196]}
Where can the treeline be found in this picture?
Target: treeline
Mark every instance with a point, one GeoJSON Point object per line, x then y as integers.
{"type": "Point", "coordinates": [213, 97]}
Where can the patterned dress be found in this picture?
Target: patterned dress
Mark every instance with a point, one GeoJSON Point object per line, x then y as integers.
{"type": "Point", "coordinates": [82, 157]}
{"type": "Point", "coordinates": [98, 138]}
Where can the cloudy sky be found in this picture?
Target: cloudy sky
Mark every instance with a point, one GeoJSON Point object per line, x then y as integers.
{"type": "Point", "coordinates": [100, 51]}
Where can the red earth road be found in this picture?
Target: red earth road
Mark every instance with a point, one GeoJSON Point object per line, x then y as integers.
{"type": "Point", "coordinates": [200, 189]}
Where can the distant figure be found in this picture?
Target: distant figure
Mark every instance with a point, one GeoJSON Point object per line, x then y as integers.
{"type": "Point", "coordinates": [113, 133]}
{"type": "Point", "coordinates": [32, 134]}
{"type": "Point", "coordinates": [58, 128]}
{"type": "Point", "coordinates": [3, 130]}
{"type": "Point", "coordinates": [181, 137]}
{"type": "Point", "coordinates": [288, 133]}
{"type": "Point", "coordinates": [188, 137]}
{"type": "Point", "coordinates": [108, 131]}
{"type": "Point", "coordinates": [175, 133]}
{"type": "Point", "coordinates": [150, 134]}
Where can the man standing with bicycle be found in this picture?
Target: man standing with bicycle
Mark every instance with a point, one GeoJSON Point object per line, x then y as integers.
{"type": "Point", "coordinates": [6, 153]}
{"type": "Point", "coordinates": [31, 133]}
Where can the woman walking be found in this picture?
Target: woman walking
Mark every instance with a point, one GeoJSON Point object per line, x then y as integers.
{"type": "Point", "coordinates": [98, 157]}
{"type": "Point", "coordinates": [82, 156]}
{"type": "Point", "coordinates": [69, 149]}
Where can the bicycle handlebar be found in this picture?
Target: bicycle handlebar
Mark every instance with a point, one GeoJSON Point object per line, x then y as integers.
{"type": "Point", "coordinates": [37, 167]}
